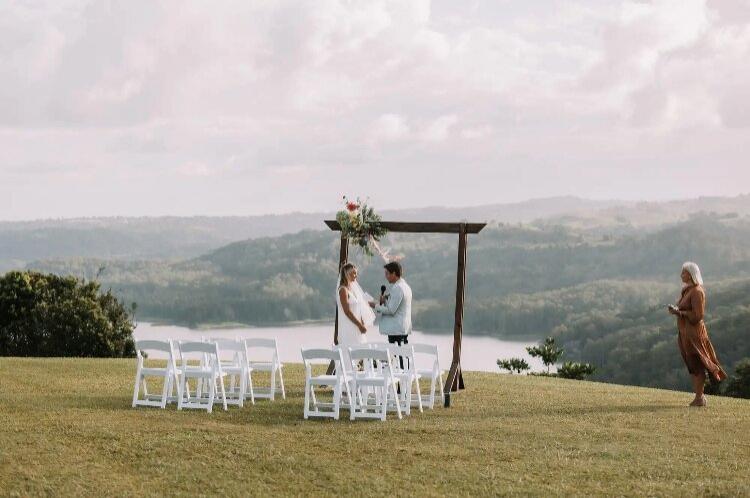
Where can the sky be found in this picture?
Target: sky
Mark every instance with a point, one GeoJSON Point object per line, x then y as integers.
{"type": "Point", "coordinates": [146, 108]}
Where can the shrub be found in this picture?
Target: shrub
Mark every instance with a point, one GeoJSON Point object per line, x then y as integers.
{"type": "Point", "coordinates": [547, 351]}
{"type": "Point", "coordinates": [738, 384]}
{"type": "Point", "coordinates": [575, 370]}
{"type": "Point", "coordinates": [49, 315]}
{"type": "Point", "coordinates": [517, 365]}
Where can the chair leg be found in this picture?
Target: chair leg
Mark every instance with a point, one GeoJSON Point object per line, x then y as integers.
{"type": "Point", "coordinates": [398, 405]}
{"type": "Point", "coordinates": [419, 395]}
{"type": "Point", "coordinates": [281, 381]}
{"type": "Point", "coordinates": [306, 411]}
{"type": "Point", "coordinates": [407, 398]}
{"type": "Point", "coordinates": [243, 389]}
{"type": "Point", "coordinates": [177, 385]}
{"type": "Point", "coordinates": [354, 406]}
{"type": "Point", "coordinates": [384, 402]}
{"type": "Point", "coordinates": [273, 384]}
{"type": "Point", "coordinates": [223, 392]}
{"type": "Point", "coordinates": [211, 395]}
{"type": "Point", "coordinates": [137, 387]}
{"type": "Point", "coordinates": [181, 399]}
{"type": "Point", "coordinates": [165, 390]}
{"type": "Point", "coordinates": [336, 401]}
{"type": "Point", "coordinates": [250, 385]}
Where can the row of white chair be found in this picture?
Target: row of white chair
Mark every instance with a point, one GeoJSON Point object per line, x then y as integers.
{"type": "Point", "coordinates": [371, 380]}
{"type": "Point", "coordinates": [208, 363]}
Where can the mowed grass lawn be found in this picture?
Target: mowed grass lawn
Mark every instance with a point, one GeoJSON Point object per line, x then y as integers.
{"type": "Point", "coordinates": [67, 428]}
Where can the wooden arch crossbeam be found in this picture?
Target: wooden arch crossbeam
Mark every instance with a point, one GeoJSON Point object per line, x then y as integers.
{"type": "Point", "coordinates": [455, 379]}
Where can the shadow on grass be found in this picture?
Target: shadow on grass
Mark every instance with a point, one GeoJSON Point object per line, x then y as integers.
{"type": "Point", "coordinates": [278, 413]}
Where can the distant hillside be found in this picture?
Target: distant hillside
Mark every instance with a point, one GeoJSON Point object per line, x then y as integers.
{"type": "Point", "coordinates": [638, 344]}
{"type": "Point", "coordinates": [175, 238]}
{"type": "Point", "coordinates": [293, 277]}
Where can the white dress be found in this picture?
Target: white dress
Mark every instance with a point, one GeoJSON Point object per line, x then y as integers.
{"type": "Point", "coordinates": [349, 334]}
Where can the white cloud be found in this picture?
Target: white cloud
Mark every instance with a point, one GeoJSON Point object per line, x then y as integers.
{"type": "Point", "coordinates": [217, 106]}
{"type": "Point", "coordinates": [390, 127]}
{"type": "Point", "coordinates": [438, 130]}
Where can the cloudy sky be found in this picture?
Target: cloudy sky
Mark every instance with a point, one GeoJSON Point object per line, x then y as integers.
{"type": "Point", "coordinates": [251, 107]}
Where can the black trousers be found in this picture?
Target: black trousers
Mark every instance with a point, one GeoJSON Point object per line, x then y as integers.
{"type": "Point", "coordinates": [400, 340]}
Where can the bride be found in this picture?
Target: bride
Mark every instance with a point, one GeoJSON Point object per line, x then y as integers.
{"type": "Point", "coordinates": [354, 313]}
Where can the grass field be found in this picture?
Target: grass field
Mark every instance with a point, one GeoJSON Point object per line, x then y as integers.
{"type": "Point", "coordinates": [67, 429]}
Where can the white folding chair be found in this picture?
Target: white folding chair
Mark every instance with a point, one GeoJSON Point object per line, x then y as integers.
{"type": "Point", "coordinates": [169, 372]}
{"type": "Point", "coordinates": [427, 354]}
{"type": "Point", "coordinates": [235, 366]}
{"type": "Point", "coordinates": [380, 380]}
{"type": "Point", "coordinates": [271, 365]}
{"type": "Point", "coordinates": [208, 370]}
{"type": "Point", "coordinates": [338, 381]}
{"type": "Point", "coordinates": [406, 376]}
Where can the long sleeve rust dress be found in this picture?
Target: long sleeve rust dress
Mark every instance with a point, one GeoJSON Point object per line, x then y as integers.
{"type": "Point", "coordinates": [695, 346]}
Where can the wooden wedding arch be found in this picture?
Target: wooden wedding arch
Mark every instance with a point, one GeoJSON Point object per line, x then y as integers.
{"type": "Point", "coordinates": [455, 379]}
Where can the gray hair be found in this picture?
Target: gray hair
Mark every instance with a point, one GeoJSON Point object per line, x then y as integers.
{"type": "Point", "coordinates": [694, 271]}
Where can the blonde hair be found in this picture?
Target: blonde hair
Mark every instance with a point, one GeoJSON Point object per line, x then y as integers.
{"type": "Point", "coordinates": [694, 271]}
{"type": "Point", "coordinates": [346, 270]}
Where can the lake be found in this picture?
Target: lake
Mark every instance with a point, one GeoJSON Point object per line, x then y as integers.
{"type": "Point", "coordinates": [477, 352]}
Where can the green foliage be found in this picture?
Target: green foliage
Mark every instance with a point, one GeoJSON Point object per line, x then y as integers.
{"type": "Point", "coordinates": [517, 365]}
{"type": "Point", "coordinates": [575, 370]}
{"type": "Point", "coordinates": [49, 315]}
{"type": "Point", "coordinates": [547, 351]}
{"type": "Point", "coordinates": [738, 384]}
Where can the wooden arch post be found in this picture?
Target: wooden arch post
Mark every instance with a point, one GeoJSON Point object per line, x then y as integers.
{"type": "Point", "coordinates": [455, 379]}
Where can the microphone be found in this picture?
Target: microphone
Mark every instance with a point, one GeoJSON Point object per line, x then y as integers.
{"type": "Point", "coordinates": [382, 290]}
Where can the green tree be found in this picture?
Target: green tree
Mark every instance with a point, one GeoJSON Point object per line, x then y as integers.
{"type": "Point", "coordinates": [547, 351]}
{"type": "Point", "coordinates": [738, 384]}
{"type": "Point", "coordinates": [517, 365]}
{"type": "Point", "coordinates": [575, 370]}
{"type": "Point", "coordinates": [48, 315]}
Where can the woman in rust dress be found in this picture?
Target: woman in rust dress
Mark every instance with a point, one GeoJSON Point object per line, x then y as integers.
{"type": "Point", "coordinates": [695, 346]}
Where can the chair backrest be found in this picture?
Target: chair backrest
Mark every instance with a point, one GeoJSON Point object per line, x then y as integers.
{"type": "Point", "coordinates": [144, 346]}
{"type": "Point", "coordinates": [199, 347]}
{"type": "Point", "coordinates": [151, 345]}
{"type": "Point", "coordinates": [260, 343]}
{"type": "Point", "coordinates": [430, 350]}
{"type": "Point", "coordinates": [367, 353]}
{"type": "Point", "coordinates": [229, 349]}
{"type": "Point", "coordinates": [407, 352]}
{"type": "Point", "coordinates": [323, 356]}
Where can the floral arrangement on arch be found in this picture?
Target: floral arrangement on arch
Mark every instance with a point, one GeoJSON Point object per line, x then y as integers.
{"type": "Point", "coordinates": [361, 225]}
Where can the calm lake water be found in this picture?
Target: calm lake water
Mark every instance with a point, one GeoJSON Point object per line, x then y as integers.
{"type": "Point", "coordinates": [477, 353]}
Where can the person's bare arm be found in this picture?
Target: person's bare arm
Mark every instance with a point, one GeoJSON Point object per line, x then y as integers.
{"type": "Point", "coordinates": [348, 311]}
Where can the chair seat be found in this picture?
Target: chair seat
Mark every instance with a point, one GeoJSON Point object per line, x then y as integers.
{"type": "Point", "coordinates": [372, 381]}
{"type": "Point", "coordinates": [154, 371]}
{"type": "Point", "coordinates": [264, 366]}
{"type": "Point", "coordinates": [324, 380]}
{"type": "Point", "coordinates": [406, 376]}
{"type": "Point", "coordinates": [233, 369]}
{"type": "Point", "coordinates": [198, 371]}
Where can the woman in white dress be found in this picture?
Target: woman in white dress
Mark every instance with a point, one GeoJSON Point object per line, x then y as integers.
{"type": "Point", "coordinates": [354, 313]}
